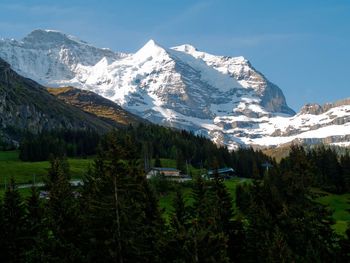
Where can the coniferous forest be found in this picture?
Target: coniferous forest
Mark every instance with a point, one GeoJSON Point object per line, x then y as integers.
{"type": "Point", "coordinates": [114, 216]}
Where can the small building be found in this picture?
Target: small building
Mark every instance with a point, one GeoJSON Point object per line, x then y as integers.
{"type": "Point", "coordinates": [167, 172]}
{"type": "Point", "coordinates": [44, 195]}
{"type": "Point", "coordinates": [225, 172]}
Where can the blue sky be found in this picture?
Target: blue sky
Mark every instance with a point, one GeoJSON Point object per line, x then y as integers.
{"type": "Point", "coordinates": [302, 46]}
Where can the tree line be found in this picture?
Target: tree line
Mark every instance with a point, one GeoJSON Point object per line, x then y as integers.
{"type": "Point", "coordinates": [151, 142]}
{"type": "Point", "coordinates": [326, 168]}
{"type": "Point", "coordinates": [330, 170]}
{"type": "Point", "coordinates": [58, 143]}
{"type": "Point", "coordinates": [115, 217]}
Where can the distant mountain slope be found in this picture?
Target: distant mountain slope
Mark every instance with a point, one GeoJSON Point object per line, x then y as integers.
{"type": "Point", "coordinates": [224, 98]}
{"type": "Point", "coordinates": [50, 57]}
{"type": "Point", "coordinates": [92, 103]}
{"type": "Point", "coordinates": [239, 68]}
{"type": "Point", "coordinates": [27, 106]}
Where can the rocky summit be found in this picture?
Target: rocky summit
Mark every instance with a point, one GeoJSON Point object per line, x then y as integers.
{"type": "Point", "coordinates": [224, 98]}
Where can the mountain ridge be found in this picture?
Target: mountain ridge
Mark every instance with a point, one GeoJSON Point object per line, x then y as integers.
{"type": "Point", "coordinates": [224, 98]}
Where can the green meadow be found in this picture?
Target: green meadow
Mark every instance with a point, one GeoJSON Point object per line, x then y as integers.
{"type": "Point", "coordinates": [27, 172]}
{"type": "Point", "coordinates": [340, 206]}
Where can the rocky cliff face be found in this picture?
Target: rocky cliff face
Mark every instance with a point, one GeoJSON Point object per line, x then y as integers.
{"type": "Point", "coordinates": [316, 109]}
{"type": "Point", "coordinates": [239, 68]}
{"type": "Point", "coordinates": [224, 98]}
{"type": "Point", "coordinates": [27, 106]}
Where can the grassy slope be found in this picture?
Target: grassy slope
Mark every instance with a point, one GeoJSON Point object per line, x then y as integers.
{"type": "Point", "coordinates": [96, 105]}
{"type": "Point", "coordinates": [25, 192]}
{"type": "Point", "coordinates": [340, 205]}
{"type": "Point", "coordinates": [23, 172]}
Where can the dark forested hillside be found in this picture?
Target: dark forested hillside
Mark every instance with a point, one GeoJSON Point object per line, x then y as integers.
{"type": "Point", "coordinates": [151, 141]}
{"type": "Point", "coordinates": [26, 106]}
{"type": "Point", "coordinates": [326, 168]}
{"type": "Point", "coordinates": [71, 143]}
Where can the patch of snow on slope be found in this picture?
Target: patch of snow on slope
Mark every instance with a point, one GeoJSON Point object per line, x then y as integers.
{"type": "Point", "coordinates": [221, 97]}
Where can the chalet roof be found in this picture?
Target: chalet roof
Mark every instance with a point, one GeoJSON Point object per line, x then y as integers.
{"type": "Point", "coordinates": [221, 170]}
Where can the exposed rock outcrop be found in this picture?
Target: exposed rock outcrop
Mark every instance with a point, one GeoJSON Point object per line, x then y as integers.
{"type": "Point", "coordinates": [96, 105]}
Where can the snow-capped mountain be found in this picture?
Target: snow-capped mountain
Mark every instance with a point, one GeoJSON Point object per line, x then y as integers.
{"type": "Point", "coordinates": [51, 57]}
{"type": "Point", "coordinates": [224, 98]}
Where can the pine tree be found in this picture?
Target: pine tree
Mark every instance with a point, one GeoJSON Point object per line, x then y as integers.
{"type": "Point", "coordinates": [63, 215]}
{"type": "Point", "coordinates": [255, 171]}
{"type": "Point", "coordinates": [13, 235]}
{"type": "Point", "coordinates": [206, 241]}
{"type": "Point", "coordinates": [279, 252]}
{"type": "Point", "coordinates": [283, 201]}
{"type": "Point", "coordinates": [176, 250]}
{"type": "Point", "coordinates": [34, 212]}
{"type": "Point", "coordinates": [333, 172]}
{"type": "Point", "coordinates": [344, 252]}
{"type": "Point", "coordinates": [122, 217]}
{"type": "Point", "coordinates": [36, 230]}
{"type": "Point", "coordinates": [180, 161]}
{"type": "Point", "coordinates": [222, 205]}
{"type": "Point", "coordinates": [206, 245]}
{"type": "Point", "coordinates": [199, 199]}
{"type": "Point", "coordinates": [243, 197]}
{"type": "Point", "coordinates": [2, 237]}
{"type": "Point", "coordinates": [345, 168]}
{"type": "Point", "coordinates": [230, 229]}
{"type": "Point", "coordinates": [157, 162]}
{"type": "Point", "coordinates": [59, 170]}
{"type": "Point", "coordinates": [180, 212]}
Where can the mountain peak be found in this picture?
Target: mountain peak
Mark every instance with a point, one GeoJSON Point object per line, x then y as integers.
{"type": "Point", "coordinates": [44, 33]}
{"type": "Point", "coordinates": [52, 37]}
{"type": "Point", "coordinates": [151, 44]}
{"type": "Point", "coordinates": [186, 48]}
{"type": "Point", "coordinates": [151, 48]}
{"type": "Point", "coordinates": [242, 59]}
